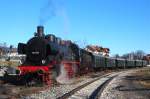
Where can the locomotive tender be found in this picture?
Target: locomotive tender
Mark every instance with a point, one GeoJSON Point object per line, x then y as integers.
{"type": "Point", "coordinates": [47, 57]}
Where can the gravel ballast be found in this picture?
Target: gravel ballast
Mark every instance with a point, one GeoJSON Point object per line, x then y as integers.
{"type": "Point", "coordinates": [125, 86]}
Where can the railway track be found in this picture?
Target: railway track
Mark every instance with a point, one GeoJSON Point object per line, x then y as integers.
{"type": "Point", "coordinates": [90, 90]}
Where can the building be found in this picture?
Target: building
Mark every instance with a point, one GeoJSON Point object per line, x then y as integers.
{"type": "Point", "coordinates": [7, 50]}
{"type": "Point", "coordinates": [98, 50]}
{"type": "Point", "coordinates": [3, 50]}
{"type": "Point", "coordinates": [147, 57]}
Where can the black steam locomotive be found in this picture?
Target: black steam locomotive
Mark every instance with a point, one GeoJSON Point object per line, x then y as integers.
{"type": "Point", "coordinates": [46, 53]}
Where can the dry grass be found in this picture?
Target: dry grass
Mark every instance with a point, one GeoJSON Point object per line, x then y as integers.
{"type": "Point", "coordinates": [145, 83]}
{"type": "Point", "coordinates": [30, 90]}
{"type": "Point", "coordinates": [9, 63]}
{"type": "Point", "coordinates": [144, 74]}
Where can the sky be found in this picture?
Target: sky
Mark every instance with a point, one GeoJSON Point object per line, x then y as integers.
{"type": "Point", "coordinates": [121, 25]}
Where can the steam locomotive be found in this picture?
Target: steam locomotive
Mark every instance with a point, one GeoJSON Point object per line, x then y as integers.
{"type": "Point", "coordinates": [48, 57]}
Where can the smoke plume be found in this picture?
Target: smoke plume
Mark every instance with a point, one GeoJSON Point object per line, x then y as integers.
{"type": "Point", "coordinates": [54, 8]}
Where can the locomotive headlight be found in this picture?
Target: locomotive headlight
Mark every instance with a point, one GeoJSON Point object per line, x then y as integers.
{"type": "Point", "coordinates": [43, 61]}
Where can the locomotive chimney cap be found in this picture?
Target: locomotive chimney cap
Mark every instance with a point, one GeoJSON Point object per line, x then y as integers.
{"type": "Point", "coordinates": [40, 31]}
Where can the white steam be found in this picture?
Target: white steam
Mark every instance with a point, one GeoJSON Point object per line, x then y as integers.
{"type": "Point", "coordinates": [63, 77]}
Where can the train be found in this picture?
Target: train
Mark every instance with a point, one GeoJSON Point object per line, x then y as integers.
{"type": "Point", "coordinates": [48, 58]}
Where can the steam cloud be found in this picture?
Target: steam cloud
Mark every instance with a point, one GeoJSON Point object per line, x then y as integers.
{"type": "Point", "coordinates": [63, 76]}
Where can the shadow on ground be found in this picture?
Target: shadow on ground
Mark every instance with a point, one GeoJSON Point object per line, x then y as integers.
{"type": "Point", "coordinates": [124, 88]}
{"type": "Point", "coordinates": [141, 78]}
{"type": "Point", "coordinates": [132, 86]}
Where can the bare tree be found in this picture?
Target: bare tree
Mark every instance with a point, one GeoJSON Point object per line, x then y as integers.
{"type": "Point", "coordinates": [116, 56]}
{"type": "Point", "coordinates": [139, 54]}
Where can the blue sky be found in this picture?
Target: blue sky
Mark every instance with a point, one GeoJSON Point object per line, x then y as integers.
{"type": "Point", "coordinates": [121, 25]}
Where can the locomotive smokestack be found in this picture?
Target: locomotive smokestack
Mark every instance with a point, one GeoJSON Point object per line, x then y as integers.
{"type": "Point", "coordinates": [40, 31]}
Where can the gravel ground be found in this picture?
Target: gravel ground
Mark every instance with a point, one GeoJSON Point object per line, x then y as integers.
{"type": "Point", "coordinates": [125, 86]}
{"type": "Point", "coordinates": [117, 89]}
{"type": "Point", "coordinates": [87, 91]}
{"type": "Point", "coordinates": [9, 91]}
{"type": "Point", "coordinates": [57, 91]}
